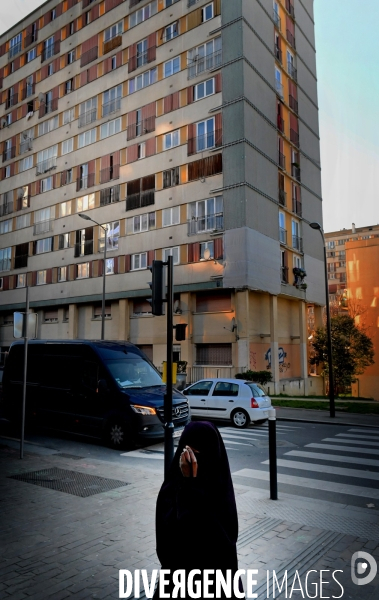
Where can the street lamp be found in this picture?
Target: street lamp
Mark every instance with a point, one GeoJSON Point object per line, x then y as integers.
{"type": "Point", "coordinates": [87, 218]}
{"type": "Point", "coordinates": [328, 326]}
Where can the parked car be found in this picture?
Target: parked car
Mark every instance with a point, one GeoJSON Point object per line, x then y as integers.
{"type": "Point", "coordinates": [239, 401]}
{"type": "Point", "coordinates": [104, 389]}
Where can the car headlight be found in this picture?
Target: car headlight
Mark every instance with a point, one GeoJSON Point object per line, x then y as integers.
{"type": "Point", "coordinates": [143, 410]}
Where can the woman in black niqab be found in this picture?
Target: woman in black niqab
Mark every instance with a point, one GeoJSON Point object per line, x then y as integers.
{"type": "Point", "coordinates": [196, 517]}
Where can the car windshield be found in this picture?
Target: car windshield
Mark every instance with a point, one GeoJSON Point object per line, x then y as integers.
{"type": "Point", "coordinates": [257, 390]}
{"type": "Point", "coordinates": [133, 372]}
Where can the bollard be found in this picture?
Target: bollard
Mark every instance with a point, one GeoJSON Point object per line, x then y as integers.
{"type": "Point", "coordinates": [272, 454]}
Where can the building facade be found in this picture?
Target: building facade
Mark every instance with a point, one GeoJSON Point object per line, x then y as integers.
{"type": "Point", "coordinates": [187, 128]}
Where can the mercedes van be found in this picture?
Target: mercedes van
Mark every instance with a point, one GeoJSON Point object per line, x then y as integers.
{"type": "Point", "coordinates": [99, 388]}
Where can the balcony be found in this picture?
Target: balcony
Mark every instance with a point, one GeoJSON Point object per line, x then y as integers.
{"type": "Point", "coordinates": [86, 181]}
{"type": "Point", "coordinates": [6, 208]}
{"type": "Point", "coordinates": [48, 107]}
{"type": "Point", "coordinates": [276, 19]}
{"type": "Point", "coordinates": [290, 8]}
{"type": "Point", "coordinates": [292, 72]}
{"type": "Point", "coordinates": [294, 137]}
{"type": "Point", "coordinates": [109, 173]}
{"type": "Point", "coordinates": [281, 160]}
{"type": "Point", "coordinates": [140, 199]}
{"type": "Point", "coordinates": [110, 195]}
{"type": "Point", "coordinates": [284, 274]}
{"type": "Point", "coordinates": [50, 50]}
{"type": "Point", "coordinates": [30, 38]}
{"type": "Point", "coordinates": [89, 56]}
{"type": "Point", "coordinates": [282, 197]}
{"type": "Point", "coordinates": [46, 165]}
{"type": "Point", "coordinates": [12, 100]}
{"type": "Point", "coordinates": [26, 145]}
{"type": "Point", "coordinates": [139, 60]}
{"type": "Point", "coordinates": [279, 88]}
{"type": "Point", "coordinates": [111, 44]}
{"type": "Point", "coordinates": [110, 107]}
{"type": "Point", "coordinates": [291, 39]}
{"type": "Point", "coordinates": [207, 141]}
{"type": "Point", "coordinates": [83, 248]}
{"type": "Point", "coordinates": [297, 207]}
{"type": "Point", "coordinates": [200, 64]}
{"type": "Point", "coordinates": [293, 104]}
{"type": "Point", "coordinates": [27, 91]}
{"type": "Point", "coordinates": [87, 117]}
{"type": "Point", "coordinates": [278, 53]}
{"type": "Point", "coordinates": [280, 123]}
{"type": "Point", "coordinates": [295, 171]}
{"type": "Point", "coordinates": [282, 235]}
{"type": "Point", "coordinates": [9, 153]}
{"type": "Point", "coordinates": [43, 226]}
{"type": "Point", "coordinates": [214, 222]}
{"type": "Point", "coordinates": [297, 243]}
{"type": "Point", "coordinates": [13, 50]}
{"type": "Point", "coordinates": [5, 264]}
{"type": "Point", "coordinates": [21, 261]}
{"type": "Point", "coordinates": [140, 128]}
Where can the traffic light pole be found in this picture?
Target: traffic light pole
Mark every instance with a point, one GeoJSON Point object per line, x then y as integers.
{"type": "Point", "coordinates": [169, 426]}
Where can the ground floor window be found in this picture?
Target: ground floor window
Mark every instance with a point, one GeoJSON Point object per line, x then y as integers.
{"type": "Point", "coordinates": [214, 354]}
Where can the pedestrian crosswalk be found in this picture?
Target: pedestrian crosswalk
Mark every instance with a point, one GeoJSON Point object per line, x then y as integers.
{"type": "Point", "coordinates": [344, 468]}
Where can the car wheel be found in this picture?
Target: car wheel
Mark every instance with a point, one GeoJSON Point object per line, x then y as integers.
{"type": "Point", "coordinates": [117, 435]}
{"type": "Point", "coordinates": [260, 422]}
{"type": "Point", "coordinates": [240, 418]}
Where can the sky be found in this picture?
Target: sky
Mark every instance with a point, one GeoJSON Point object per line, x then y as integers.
{"type": "Point", "coordinates": [348, 92]}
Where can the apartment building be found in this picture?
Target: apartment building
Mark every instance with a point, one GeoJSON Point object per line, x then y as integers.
{"type": "Point", "coordinates": [186, 128]}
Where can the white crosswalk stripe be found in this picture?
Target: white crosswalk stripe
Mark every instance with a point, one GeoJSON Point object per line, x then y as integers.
{"type": "Point", "coordinates": [295, 464]}
{"type": "Point", "coordinates": [358, 437]}
{"type": "Point", "coordinates": [369, 431]}
{"type": "Point", "coordinates": [355, 460]}
{"type": "Point", "coordinates": [350, 441]}
{"type": "Point", "coordinates": [343, 448]}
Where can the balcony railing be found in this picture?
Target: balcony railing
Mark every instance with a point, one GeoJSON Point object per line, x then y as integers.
{"type": "Point", "coordinates": [280, 122]}
{"type": "Point", "coordinates": [83, 248]}
{"type": "Point", "coordinates": [89, 116]}
{"type": "Point", "coordinates": [277, 20]}
{"type": "Point", "coordinates": [290, 8]}
{"type": "Point", "coordinates": [138, 60]}
{"type": "Point", "coordinates": [109, 173]}
{"type": "Point", "coordinates": [282, 197]}
{"type": "Point", "coordinates": [26, 145]}
{"type": "Point", "coordinates": [200, 64]}
{"type": "Point", "coordinates": [293, 104]}
{"type": "Point", "coordinates": [46, 165]}
{"type": "Point", "coordinates": [48, 107]}
{"type": "Point", "coordinates": [30, 38]}
{"type": "Point", "coordinates": [51, 50]}
{"type": "Point", "coordinates": [297, 207]}
{"type": "Point", "coordinates": [6, 208]}
{"type": "Point", "coordinates": [27, 91]}
{"type": "Point", "coordinates": [207, 141]}
{"type": "Point", "coordinates": [292, 72]}
{"type": "Point", "coordinates": [12, 100]}
{"type": "Point", "coordinates": [5, 264]}
{"type": "Point", "coordinates": [111, 106]}
{"type": "Point", "coordinates": [111, 44]}
{"type": "Point", "coordinates": [291, 39]}
{"type": "Point", "coordinates": [13, 50]}
{"type": "Point", "coordinates": [282, 235]}
{"type": "Point", "coordinates": [140, 199]}
{"type": "Point", "coordinates": [21, 261]}
{"type": "Point", "coordinates": [43, 226]}
{"type": "Point", "coordinates": [206, 223]}
{"type": "Point", "coordinates": [281, 160]}
{"type": "Point", "coordinates": [140, 128]}
{"type": "Point", "coordinates": [279, 88]}
{"type": "Point", "coordinates": [284, 274]}
{"type": "Point", "coordinates": [278, 53]}
{"type": "Point", "coordinates": [110, 195]}
{"type": "Point", "coordinates": [82, 183]}
{"type": "Point", "coordinates": [297, 243]}
{"type": "Point", "coordinates": [23, 202]}
{"type": "Point", "coordinates": [89, 56]}
{"type": "Point", "coordinates": [9, 153]}
{"type": "Point", "coordinates": [295, 171]}
{"type": "Point", "coordinates": [294, 137]}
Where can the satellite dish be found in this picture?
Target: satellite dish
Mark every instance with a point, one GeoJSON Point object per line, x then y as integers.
{"type": "Point", "coordinates": [207, 254]}
{"type": "Point", "coordinates": [41, 97]}
{"type": "Point", "coordinates": [24, 135]}
{"type": "Point", "coordinates": [3, 122]}
{"type": "Point", "coordinates": [20, 193]}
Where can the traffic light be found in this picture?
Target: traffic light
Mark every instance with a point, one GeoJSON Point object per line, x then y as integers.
{"type": "Point", "coordinates": [156, 286]}
{"type": "Point", "coordinates": [180, 332]}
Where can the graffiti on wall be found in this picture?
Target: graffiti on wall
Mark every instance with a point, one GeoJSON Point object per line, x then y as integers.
{"type": "Point", "coordinates": [283, 365]}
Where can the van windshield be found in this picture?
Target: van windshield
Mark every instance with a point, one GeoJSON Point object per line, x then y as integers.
{"type": "Point", "coordinates": [133, 372]}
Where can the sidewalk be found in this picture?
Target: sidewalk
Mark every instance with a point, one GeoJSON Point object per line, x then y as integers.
{"type": "Point", "coordinates": [322, 416]}
{"type": "Point", "coordinates": [57, 545]}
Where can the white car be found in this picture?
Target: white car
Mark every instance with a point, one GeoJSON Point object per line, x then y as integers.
{"type": "Point", "coordinates": [233, 399]}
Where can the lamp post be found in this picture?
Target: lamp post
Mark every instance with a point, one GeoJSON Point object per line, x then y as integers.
{"type": "Point", "coordinates": [328, 326]}
{"type": "Point", "coordinates": [87, 218]}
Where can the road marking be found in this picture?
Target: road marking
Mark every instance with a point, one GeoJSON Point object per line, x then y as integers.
{"type": "Point", "coordinates": [334, 457]}
{"type": "Point", "coordinates": [343, 448]}
{"type": "Point", "coordinates": [318, 484]}
{"type": "Point", "coordinates": [243, 437]}
{"type": "Point", "coordinates": [296, 464]}
{"type": "Point", "coordinates": [237, 443]}
{"type": "Point", "coordinates": [143, 454]}
{"type": "Point", "coordinates": [358, 437]}
{"type": "Point", "coordinates": [369, 431]}
{"type": "Point", "coordinates": [349, 441]}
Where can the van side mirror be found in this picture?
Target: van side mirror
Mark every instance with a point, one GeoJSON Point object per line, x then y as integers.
{"type": "Point", "coordinates": [102, 386]}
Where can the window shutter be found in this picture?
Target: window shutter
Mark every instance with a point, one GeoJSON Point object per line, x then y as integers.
{"type": "Point", "coordinates": [95, 12]}
{"type": "Point", "coordinates": [14, 115]}
{"type": "Point", "coordinates": [294, 123]}
{"type": "Point", "coordinates": [100, 268]}
{"type": "Point", "coordinates": [218, 248]}
{"type": "Point", "coordinates": [190, 94]}
{"type": "Point", "coordinates": [191, 139]}
{"type": "Point", "coordinates": [150, 257]}
{"type": "Point", "coordinates": [132, 153]}
{"type": "Point", "coordinates": [34, 278]}
{"type": "Point", "coordinates": [151, 47]}
{"type": "Point", "coordinates": [150, 147]}
{"type": "Point", "coordinates": [55, 92]}
{"type": "Point", "coordinates": [92, 73]}
{"type": "Point", "coordinates": [190, 253]}
{"type": "Point", "coordinates": [38, 186]}
{"type": "Point", "coordinates": [49, 275]}
{"type": "Point", "coordinates": [127, 263]}
{"type": "Point", "coordinates": [115, 265]}
{"type": "Point", "coordinates": [6, 283]}
{"type": "Point", "coordinates": [217, 7]}
{"type": "Point", "coordinates": [83, 78]}
{"type": "Point", "coordinates": [218, 130]}
{"type": "Point", "coordinates": [132, 128]}
{"type": "Point", "coordinates": [132, 64]}
{"type": "Point", "coordinates": [175, 100]}
{"type": "Point", "coordinates": [44, 72]}
{"type": "Point", "coordinates": [24, 110]}
{"type": "Point", "coordinates": [167, 104]}
{"type": "Point", "coordinates": [56, 180]}
{"type": "Point", "coordinates": [47, 18]}
{"type": "Point", "coordinates": [90, 268]}
{"type": "Point", "coordinates": [218, 83]}
{"type": "Point", "coordinates": [57, 64]}
{"type": "Point", "coordinates": [107, 65]}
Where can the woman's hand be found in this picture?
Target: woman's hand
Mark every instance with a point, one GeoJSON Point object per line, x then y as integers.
{"type": "Point", "coordinates": [188, 462]}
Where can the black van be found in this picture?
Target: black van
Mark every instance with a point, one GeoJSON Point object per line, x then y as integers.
{"type": "Point", "coordinates": [103, 389]}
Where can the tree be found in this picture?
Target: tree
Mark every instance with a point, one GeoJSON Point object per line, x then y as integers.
{"type": "Point", "coordinates": [352, 351]}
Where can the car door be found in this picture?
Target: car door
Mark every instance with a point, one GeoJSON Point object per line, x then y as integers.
{"type": "Point", "coordinates": [223, 400]}
{"type": "Point", "coordinates": [198, 396]}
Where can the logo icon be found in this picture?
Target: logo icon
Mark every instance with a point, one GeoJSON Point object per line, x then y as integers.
{"type": "Point", "coordinates": [361, 561]}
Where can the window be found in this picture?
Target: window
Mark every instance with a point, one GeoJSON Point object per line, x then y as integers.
{"type": "Point", "coordinates": [113, 63]}
{"type": "Point", "coordinates": [53, 14]}
{"type": "Point", "coordinates": [143, 13]}
{"type": "Point", "coordinates": [297, 262]}
{"type": "Point", "coordinates": [141, 81]}
{"type": "Point", "coordinates": [83, 242]}
{"type": "Point", "coordinates": [205, 215]}
{"type": "Point", "coordinates": [47, 126]}
{"type": "Point", "coordinates": [62, 273]}
{"type": "Point", "coordinates": [8, 119]}
{"type": "Point", "coordinates": [109, 195]}
{"type": "Point", "coordinates": [41, 277]}
{"type": "Point", "coordinates": [113, 233]}
{"type": "Point", "coordinates": [214, 354]}
{"type": "Point", "coordinates": [98, 311]}
{"type": "Point", "coordinates": [229, 389]}
{"type": "Point", "coordinates": [141, 307]}
{"type": "Point", "coordinates": [44, 214]}
{"type": "Point", "coordinates": [172, 139]}
{"type": "Point", "coordinates": [6, 206]}
{"type": "Point", "coordinates": [65, 208]}
{"type": "Point", "coordinates": [5, 259]}
{"type": "Point", "coordinates": [278, 83]}
{"type": "Point", "coordinates": [48, 49]}
{"type": "Point", "coordinates": [45, 245]}
{"type": "Point", "coordinates": [26, 140]}
{"type": "Point", "coordinates": [174, 252]}
{"type": "Point", "coordinates": [140, 192]}
{"type": "Point", "coordinates": [23, 221]}
{"type": "Point", "coordinates": [46, 184]}
{"type": "Point", "coordinates": [83, 270]}
{"type": "Point", "coordinates": [87, 112]}
{"type": "Point", "coordinates": [171, 216]}
{"type": "Point", "coordinates": [170, 2]}
{"type": "Point", "coordinates": [296, 241]}
{"type": "Point", "coordinates": [331, 244]}
{"type": "Point", "coordinates": [63, 241]}
{"type": "Point", "coordinates": [21, 280]}
{"type": "Point", "coordinates": [50, 69]}
{"type": "Point", "coordinates": [87, 17]}
{"type": "Point", "coordinates": [71, 57]}
{"type": "Point", "coordinates": [204, 89]}
{"type": "Point", "coordinates": [205, 135]}
{"type": "Point", "coordinates": [110, 128]}
{"type": "Point", "coordinates": [139, 261]}
{"type": "Point", "coordinates": [68, 146]}
{"type": "Point", "coordinates": [206, 250]}
{"type": "Point", "coordinates": [141, 53]}
{"type": "Point", "coordinates": [66, 177]}
{"type": "Point", "coordinates": [86, 138]}
{"type": "Point", "coordinates": [207, 12]}
{"type": "Point", "coordinates": [112, 100]}
{"type": "Point", "coordinates": [47, 159]}
{"type": "Point", "coordinates": [69, 86]}
{"type": "Point", "coordinates": [204, 57]}
{"type": "Point", "coordinates": [171, 31]}
{"type": "Point", "coordinates": [25, 164]}
{"type": "Point", "coordinates": [6, 226]}
{"type": "Point", "coordinates": [68, 116]}
{"type": "Point", "coordinates": [109, 266]}
{"type": "Point", "coordinates": [15, 45]}
{"type": "Point", "coordinates": [171, 66]}
{"type": "Point", "coordinates": [141, 150]}
{"type": "Point", "coordinates": [31, 55]}
{"type": "Point", "coordinates": [171, 177]}
{"type": "Point", "coordinates": [141, 223]}
{"type": "Point", "coordinates": [113, 31]}
{"type": "Point", "coordinates": [7, 171]}
{"type": "Point", "coordinates": [85, 202]}
{"type": "Point", "coordinates": [71, 28]}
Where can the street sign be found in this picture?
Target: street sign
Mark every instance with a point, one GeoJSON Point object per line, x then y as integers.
{"type": "Point", "coordinates": [18, 325]}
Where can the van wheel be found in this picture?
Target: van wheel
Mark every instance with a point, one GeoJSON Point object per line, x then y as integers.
{"type": "Point", "coordinates": [240, 418]}
{"type": "Point", "coordinates": [117, 435]}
